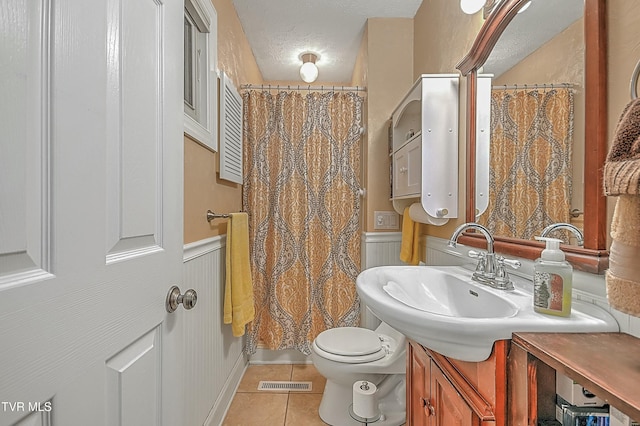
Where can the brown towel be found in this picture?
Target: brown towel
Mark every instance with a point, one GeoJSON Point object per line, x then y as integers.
{"type": "Point", "coordinates": [623, 276]}
{"type": "Point", "coordinates": [622, 169]}
{"type": "Point", "coordinates": [622, 178]}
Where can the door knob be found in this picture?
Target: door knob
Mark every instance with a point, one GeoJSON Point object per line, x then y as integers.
{"type": "Point", "coordinates": [174, 298]}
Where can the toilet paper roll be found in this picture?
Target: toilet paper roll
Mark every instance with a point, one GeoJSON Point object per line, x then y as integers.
{"type": "Point", "coordinates": [419, 214]}
{"type": "Point", "coordinates": [365, 400]}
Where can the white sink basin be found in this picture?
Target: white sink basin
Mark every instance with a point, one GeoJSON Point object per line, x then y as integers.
{"type": "Point", "coordinates": [447, 294]}
{"type": "Point", "coordinates": [441, 308]}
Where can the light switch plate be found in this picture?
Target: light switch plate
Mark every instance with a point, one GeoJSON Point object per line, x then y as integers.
{"type": "Point", "coordinates": [386, 220]}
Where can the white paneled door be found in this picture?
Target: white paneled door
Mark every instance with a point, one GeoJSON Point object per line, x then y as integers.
{"type": "Point", "coordinates": [90, 211]}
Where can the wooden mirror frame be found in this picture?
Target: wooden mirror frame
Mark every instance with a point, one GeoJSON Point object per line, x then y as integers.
{"type": "Point", "coordinates": [593, 257]}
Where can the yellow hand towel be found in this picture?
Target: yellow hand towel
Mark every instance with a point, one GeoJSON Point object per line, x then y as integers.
{"type": "Point", "coordinates": [410, 247]}
{"type": "Point", "coordinates": [238, 290]}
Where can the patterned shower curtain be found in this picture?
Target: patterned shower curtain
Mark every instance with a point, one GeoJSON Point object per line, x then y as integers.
{"type": "Point", "coordinates": [301, 190]}
{"type": "Point", "coordinates": [530, 161]}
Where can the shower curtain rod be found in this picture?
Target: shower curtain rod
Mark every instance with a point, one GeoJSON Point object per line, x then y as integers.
{"type": "Point", "coordinates": [533, 86]}
{"type": "Point", "coordinates": [331, 88]}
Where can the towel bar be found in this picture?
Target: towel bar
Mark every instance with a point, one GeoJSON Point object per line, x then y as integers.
{"type": "Point", "coordinates": [211, 215]}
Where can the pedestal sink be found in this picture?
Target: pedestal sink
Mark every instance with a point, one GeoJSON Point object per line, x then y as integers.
{"type": "Point", "coordinates": [441, 308]}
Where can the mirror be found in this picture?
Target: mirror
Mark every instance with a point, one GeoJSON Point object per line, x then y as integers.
{"type": "Point", "coordinates": [507, 38]}
{"type": "Point", "coordinates": [530, 103]}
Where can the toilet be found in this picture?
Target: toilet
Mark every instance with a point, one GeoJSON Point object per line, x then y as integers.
{"type": "Point", "coordinates": [345, 355]}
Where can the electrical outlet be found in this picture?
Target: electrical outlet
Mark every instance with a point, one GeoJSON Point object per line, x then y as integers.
{"type": "Point", "coordinates": [386, 220]}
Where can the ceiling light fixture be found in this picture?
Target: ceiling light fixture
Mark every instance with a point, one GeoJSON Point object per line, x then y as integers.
{"type": "Point", "coordinates": [309, 70]}
{"type": "Point", "coordinates": [471, 7]}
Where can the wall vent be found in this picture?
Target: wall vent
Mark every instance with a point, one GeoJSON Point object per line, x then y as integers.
{"type": "Point", "coordinates": [230, 131]}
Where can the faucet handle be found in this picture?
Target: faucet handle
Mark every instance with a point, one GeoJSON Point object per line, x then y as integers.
{"type": "Point", "coordinates": [515, 264]}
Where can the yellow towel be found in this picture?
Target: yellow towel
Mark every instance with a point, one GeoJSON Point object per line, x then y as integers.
{"type": "Point", "coordinates": [238, 288]}
{"type": "Point", "coordinates": [410, 247]}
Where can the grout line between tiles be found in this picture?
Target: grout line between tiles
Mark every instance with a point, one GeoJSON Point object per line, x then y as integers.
{"type": "Point", "coordinates": [286, 409]}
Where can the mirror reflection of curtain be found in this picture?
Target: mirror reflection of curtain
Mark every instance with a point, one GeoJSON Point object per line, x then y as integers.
{"type": "Point", "coordinates": [530, 161]}
{"type": "Point", "coordinates": [301, 190]}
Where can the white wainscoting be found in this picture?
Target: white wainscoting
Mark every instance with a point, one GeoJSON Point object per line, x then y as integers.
{"type": "Point", "coordinates": [380, 249]}
{"type": "Point", "coordinates": [214, 362]}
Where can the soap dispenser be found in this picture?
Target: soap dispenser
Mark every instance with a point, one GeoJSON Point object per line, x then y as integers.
{"type": "Point", "coordinates": [552, 280]}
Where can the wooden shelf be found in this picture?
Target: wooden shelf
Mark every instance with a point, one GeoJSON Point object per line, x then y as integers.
{"type": "Point", "coordinates": [608, 364]}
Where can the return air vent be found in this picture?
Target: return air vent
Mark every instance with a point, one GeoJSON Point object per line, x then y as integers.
{"type": "Point", "coordinates": [230, 131]}
{"type": "Point", "coordinates": [284, 386]}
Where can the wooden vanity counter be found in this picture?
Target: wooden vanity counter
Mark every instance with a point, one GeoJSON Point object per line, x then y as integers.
{"type": "Point", "coordinates": [608, 364]}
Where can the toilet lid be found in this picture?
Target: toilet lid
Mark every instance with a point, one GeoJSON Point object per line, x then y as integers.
{"type": "Point", "coordinates": [349, 341]}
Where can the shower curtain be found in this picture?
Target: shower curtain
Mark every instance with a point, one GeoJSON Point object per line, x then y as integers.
{"type": "Point", "coordinates": [301, 190]}
{"type": "Point", "coordinates": [530, 161]}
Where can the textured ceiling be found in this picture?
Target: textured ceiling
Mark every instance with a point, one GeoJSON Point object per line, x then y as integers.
{"type": "Point", "coordinates": [280, 30]}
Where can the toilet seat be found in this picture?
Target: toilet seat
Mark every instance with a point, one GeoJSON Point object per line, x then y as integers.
{"type": "Point", "coordinates": [351, 345]}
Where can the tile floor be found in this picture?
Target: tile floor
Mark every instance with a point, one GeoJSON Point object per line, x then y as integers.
{"type": "Point", "coordinates": [276, 408]}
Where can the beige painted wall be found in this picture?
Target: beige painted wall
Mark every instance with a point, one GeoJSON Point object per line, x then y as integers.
{"type": "Point", "coordinates": [388, 54]}
{"type": "Point", "coordinates": [202, 188]}
{"type": "Point", "coordinates": [442, 37]}
{"type": "Point", "coordinates": [566, 52]}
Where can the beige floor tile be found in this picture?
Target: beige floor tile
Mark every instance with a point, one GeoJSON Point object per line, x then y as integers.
{"type": "Point", "coordinates": [303, 410]}
{"type": "Point", "coordinates": [255, 373]}
{"type": "Point", "coordinates": [308, 373]}
{"type": "Point", "coordinates": [257, 409]}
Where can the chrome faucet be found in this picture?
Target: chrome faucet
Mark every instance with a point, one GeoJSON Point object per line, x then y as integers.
{"type": "Point", "coordinates": [569, 227]}
{"type": "Point", "coordinates": [490, 268]}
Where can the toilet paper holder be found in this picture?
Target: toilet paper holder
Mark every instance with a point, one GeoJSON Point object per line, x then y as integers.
{"type": "Point", "coordinates": [364, 386]}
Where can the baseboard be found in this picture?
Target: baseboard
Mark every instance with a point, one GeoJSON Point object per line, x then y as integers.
{"type": "Point", "coordinates": [287, 356]}
{"type": "Point", "coordinates": [222, 404]}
